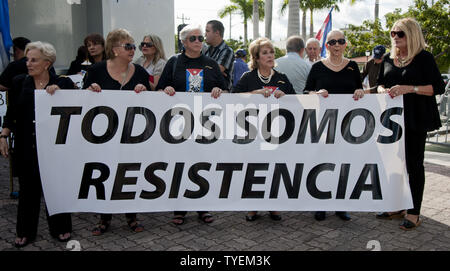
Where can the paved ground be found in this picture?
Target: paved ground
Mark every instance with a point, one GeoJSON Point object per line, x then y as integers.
{"type": "Point", "coordinates": [298, 231]}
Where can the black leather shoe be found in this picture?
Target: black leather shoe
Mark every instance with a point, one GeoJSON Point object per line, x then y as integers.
{"type": "Point", "coordinates": [275, 217]}
{"type": "Point", "coordinates": [319, 216]}
{"type": "Point", "coordinates": [343, 215]}
{"type": "Point", "coordinates": [251, 218]}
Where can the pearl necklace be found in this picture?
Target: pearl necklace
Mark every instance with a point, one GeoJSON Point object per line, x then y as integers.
{"type": "Point", "coordinates": [263, 79]}
{"type": "Point", "coordinates": [335, 65]}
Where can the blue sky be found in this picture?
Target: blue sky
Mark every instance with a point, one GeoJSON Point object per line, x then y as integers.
{"type": "Point", "coordinates": [201, 11]}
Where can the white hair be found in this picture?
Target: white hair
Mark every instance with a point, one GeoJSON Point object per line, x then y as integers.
{"type": "Point", "coordinates": [46, 49]}
{"type": "Point", "coordinates": [312, 40]}
{"type": "Point", "coordinates": [188, 29]}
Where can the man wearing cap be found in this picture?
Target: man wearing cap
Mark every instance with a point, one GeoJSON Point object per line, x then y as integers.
{"type": "Point", "coordinates": [239, 65]}
{"type": "Point", "coordinates": [293, 64]}
{"type": "Point", "coordinates": [372, 67]}
{"type": "Point", "coordinates": [218, 50]}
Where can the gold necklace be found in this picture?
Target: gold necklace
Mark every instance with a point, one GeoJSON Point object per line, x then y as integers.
{"type": "Point", "coordinates": [401, 61]}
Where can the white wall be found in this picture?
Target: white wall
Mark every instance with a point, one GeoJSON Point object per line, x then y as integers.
{"type": "Point", "coordinates": [65, 25]}
{"type": "Point", "coordinates": [141, 18]}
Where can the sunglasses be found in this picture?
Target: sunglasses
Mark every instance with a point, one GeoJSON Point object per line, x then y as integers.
{"type": "Point", "coordinates": [199, 38]}
{"type": "Point", "coordinates": [333, 42]}
{"type": "Point", "coordinates": [399, 34]}
{"type": "Point", "coordinates": [128, 46]}
{"type": "Point", "coordinates": [146, 44]}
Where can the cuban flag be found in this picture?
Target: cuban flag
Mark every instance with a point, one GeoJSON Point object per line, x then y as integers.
{"type": "Point", "coordinates": [5, 37]}
{"type": "Point", "coordinates": [323, 32]}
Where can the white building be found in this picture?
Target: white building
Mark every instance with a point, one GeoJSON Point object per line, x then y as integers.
{"type": "Point", "coordinates": [65, 23]}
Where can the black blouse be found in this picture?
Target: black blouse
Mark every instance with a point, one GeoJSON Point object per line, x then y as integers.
{"type": "Point", "coordinates": [250, 81]}
{"type": "Point", "coordinates": [421, 113]}
{"type": "Point", "coordinates": [345, 81]}
{"type": "Point", "coordinates": [98, 73]}
{"type": "Point", "coordinates": [20, 116]}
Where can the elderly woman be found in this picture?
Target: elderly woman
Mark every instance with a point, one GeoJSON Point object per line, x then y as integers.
{"type": "Point", "coordinates": [153, 58]}
{"type": "Point", "coordinates": [20, 119]}
{"type": "Point", "coordinates": [411, 73]}
{"type": "Point", "coordinates": [117, 73]}
{"type": "Point", "coordinates": [335, 74]}
{"type": "Point", "coordinates": [263, 79]}
{"type": "Point", "coordinates": [191, 71]}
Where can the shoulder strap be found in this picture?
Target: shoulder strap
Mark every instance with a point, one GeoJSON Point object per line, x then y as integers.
{"type": "Point", "coordinates": [174, 66]}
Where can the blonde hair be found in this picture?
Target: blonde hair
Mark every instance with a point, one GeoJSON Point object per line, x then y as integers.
{"type": "Point", "coordinates": [255, 48]}
{"type": "Point", "coordinates": [113, 39]}
{"type": "Point", "coordinates": [415, 41]}
{"type": "Point", "coordinates": [47, 50]}
{"type": "Point", "coordinates": [157, 43]}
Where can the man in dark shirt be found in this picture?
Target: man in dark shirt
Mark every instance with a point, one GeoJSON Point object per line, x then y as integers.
{"type": "Point", "coordinates": [218, 50]}
{"type": "Point", "coordinates": [18, 66]}
{"type": "Point", "coordinates": [372, 67]}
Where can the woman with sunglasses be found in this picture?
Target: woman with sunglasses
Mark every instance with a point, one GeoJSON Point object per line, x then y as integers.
{"type": "Point", "coordinates": [411, 72]}
{"type": "Point", "coordinates": [117, 73]}
{"type": "Point", "coordinates": [191, 72]}
{"type": "Point", "coordinates": [335, 75]}
{"type": "Point", "coordinates": [153, 58]}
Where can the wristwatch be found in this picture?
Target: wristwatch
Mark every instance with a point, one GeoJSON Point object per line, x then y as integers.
{"type": "Point", "coordinates": [3, 136]}
{"type": "Point", "coordinates": [416, 89]}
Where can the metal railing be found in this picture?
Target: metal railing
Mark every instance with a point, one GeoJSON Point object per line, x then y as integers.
{"type": "Point", "coordinates": [441, 136]}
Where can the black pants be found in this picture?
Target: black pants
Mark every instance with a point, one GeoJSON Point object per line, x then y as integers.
{"type": "Point", "coordinates": [415, 152]}
{"type": "Point", "coordinates": [30, 194]}
{"type": "Point", "coordinates": [183, 213]}
{"type": "Point", "coordinates": [108, 217]}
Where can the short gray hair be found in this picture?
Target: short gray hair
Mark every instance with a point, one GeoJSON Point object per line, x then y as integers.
{"type": "Point", "coordinates": [187, 30]}
{"type": "Point", "coordinates": [294, 44]}
{"type": "Point", "coordinates": [312, 40]}
{"type": "Point", "coordinates": [46, 49]}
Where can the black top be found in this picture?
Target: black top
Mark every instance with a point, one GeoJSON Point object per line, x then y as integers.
{"type": "Point", "coordinates": [12, 70]}
{"type": "Point", "coordinates": [20, 117]}
{"type": "Point", "coordinates": [200, 74]}
{"type": "Point", "coordinates": [345, 81]}
{"type": "Point", "coordinates": [250, 81]}
{"type": "Point", "coordinates": [76, 67]}
{"type": "Point", "coordinates": [421, 112]}
{"type": "Point", "coordinates": [98, 73]}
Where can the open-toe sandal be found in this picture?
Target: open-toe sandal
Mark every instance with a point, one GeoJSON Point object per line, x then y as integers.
{"type": "Point", "coordinates": [206, 218]}
{"type": "Point", "coordinates": [408, 225]}
{"type": "Point", "coordinates": [61, 237]}
{"type": "Point", "coordinates": [101, 228]}
{"type": "Point", "coordinates": [390, 216]}
{"type": "Point", "coordinates": [21, 242]}
{"type": "Point", "coordinates": [135, 226]}
{"type": "Point", "coordinates": [178, 220]}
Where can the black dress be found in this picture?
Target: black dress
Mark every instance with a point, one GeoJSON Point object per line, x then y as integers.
{"type": "Point", "coordinates": [420, 113]}
{"type": "Point", "coordinates": [20, 118]}
{"type": "Point", "coordinates": [345, 81]}
{"type": "Point", "coordinates": [250, 81]}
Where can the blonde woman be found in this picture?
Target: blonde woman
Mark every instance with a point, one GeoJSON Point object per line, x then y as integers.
{"type": "Point", "coordinates": [117, 73]}
{"type": "Point", "coordinates": [411, 73]}
{"type": "Point", "coordinates": [153, 58]}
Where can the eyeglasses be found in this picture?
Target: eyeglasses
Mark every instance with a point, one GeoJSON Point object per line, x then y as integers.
{"type": "Point", "coordinates": [128, 46]}
{"type": "Point", "coordinates": [146, 44]}
{"type": "Point", "coordinates": [199, 38]}
{"type": "Point", "coordinates": [399, 34]}
{"type": "Point", "coordinates": [333, 42]}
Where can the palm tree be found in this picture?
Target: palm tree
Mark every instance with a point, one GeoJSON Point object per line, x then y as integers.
{"type": "Point", "coordinates": [293, 18]}
{"type": "Point", "coordinates": [268, 19]}
{"type": "Point", "coordinates": [255, 20]}
{"type": "Point", "coordinates": [302, 6]}
{"type": "Point", "coordinates": [245, 9]}
{"type": "Point", "coordinates": [377, 5]}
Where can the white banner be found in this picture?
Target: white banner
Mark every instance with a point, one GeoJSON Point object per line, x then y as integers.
{"type": "Point", "coordinates": [118, 151]}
